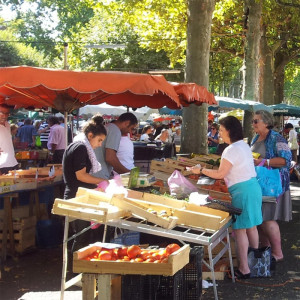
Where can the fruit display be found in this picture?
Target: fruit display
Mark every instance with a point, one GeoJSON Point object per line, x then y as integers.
{"type": "Point", "coordinates": [218, 186]}
{"type": "Point", "coordinates": [133, 254]}
{"type": "Point", "coordinates": [130, 260]}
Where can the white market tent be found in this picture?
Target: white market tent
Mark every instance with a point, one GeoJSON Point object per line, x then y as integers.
{"type": "Point", "coordinates": [105, 109]}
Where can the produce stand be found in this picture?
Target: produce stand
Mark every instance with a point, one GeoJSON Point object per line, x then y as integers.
{"type": "Point", "coordinates": [22, 181]}
{"type": "Point", "coordinates": [105, 271]}
{"type": "Point", "coordinates": [183, 221]}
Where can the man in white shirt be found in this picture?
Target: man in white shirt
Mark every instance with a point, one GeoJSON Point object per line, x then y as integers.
{"type": "Point", "coordinates": [7, 154]}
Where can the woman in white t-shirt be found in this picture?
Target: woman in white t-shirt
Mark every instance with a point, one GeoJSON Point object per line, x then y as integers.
{"type": "Point", "coordinates": [147, 130]}
{"type": "Point", "coordinates": [292, 140]}
{"type": "Point", "coordinates": [237, 169]}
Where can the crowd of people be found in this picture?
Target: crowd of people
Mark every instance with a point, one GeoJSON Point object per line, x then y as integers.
{"type": "Point", "coordinates": [99, 149]}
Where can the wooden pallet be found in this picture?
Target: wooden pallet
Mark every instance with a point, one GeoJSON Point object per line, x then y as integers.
{"type": "Point", "coordinates": [24, 233]}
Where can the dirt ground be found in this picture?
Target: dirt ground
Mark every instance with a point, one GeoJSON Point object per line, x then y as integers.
{"type": "Point", "coordinates": [40, 270]}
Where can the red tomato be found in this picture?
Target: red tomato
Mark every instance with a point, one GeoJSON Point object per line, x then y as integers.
{"type": "Point", "coordinates": [138, 259]}
{"type": "Point", "coordinates": [165, 260]}
{"type": "Point", "coordinates": [114, 256]}
{"type": "Point", "coordinates": [163, 253]}
{"type": "Point", "coordinates": [172, 248]}
{"type": "Point", "coordinates": [111, 251]}
{"type": "Point", "coordinates": [144, 255]}
{"type": "Point", "coordinates": [126, 258]}
{"type": "Point", "coordinates": [104, 255]}
{"type": "Point", "coordinates": [133, 251]}
{"type": "Point", "coordinates": [156, 256]}
{"type": "Point", "coordinates": [122, 252]}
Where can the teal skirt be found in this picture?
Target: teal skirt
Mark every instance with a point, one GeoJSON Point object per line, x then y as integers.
{"type": "Point", "coordinates": [248, 197]}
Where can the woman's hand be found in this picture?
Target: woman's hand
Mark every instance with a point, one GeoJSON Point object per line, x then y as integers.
{"type": "Point", "coordinates": [195, 169]}
{"type": "Point", "coordinates": [257, 161]}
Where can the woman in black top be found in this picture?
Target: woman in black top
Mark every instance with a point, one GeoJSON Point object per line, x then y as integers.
{"type": "Point", "coordinates": [79, 160]}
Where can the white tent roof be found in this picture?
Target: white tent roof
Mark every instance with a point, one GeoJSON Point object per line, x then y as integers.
{"type": "Point", "coordinates": [106, 109]}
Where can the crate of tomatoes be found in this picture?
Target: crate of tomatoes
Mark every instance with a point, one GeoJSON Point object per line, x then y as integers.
{"type": "Point", "coordinates": [115, 259]}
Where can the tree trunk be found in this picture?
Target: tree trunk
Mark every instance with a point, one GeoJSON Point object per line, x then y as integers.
{"type": "Point", "coordinates": [253, 9]}
{"type": "Point", "coordinates": [266, 71]}
{"type": "Point", "coordinates": [281, 60]}
{"type": "Point", "coordinates": [194, 125]}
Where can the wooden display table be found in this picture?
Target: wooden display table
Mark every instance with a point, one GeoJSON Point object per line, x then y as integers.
{"type": "Point", "coordinates": [194, 224]}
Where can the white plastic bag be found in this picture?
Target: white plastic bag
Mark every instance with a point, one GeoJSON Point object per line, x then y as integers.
{"type": "Point", "coordinates": [179, 186]}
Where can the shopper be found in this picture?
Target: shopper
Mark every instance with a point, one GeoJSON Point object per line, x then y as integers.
{"type": "Point", "coordinates": [237, 169]}
{"type": "Point", "coordinates": [44, 132]}
{"type": "Point", "coordinates": [26, 134]}
{"type": "Point", "coordinates": [7, 154]}
{"type": "Point", "coordinates": [146, 133]}
{"type": "Point", "coordinates": [274, 148]}
{"type": "Point", "coordinates": [56, 141]}
{"type": "Point", "coordinates": [213, 135]}
{"type": "Point", "coordinates": [292, 140]}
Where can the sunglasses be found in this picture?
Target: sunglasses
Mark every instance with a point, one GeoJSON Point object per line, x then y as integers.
{"type": "Point", "coordinates": [255, 121]}
{"type": "Point", "coordinates": [213, 128]}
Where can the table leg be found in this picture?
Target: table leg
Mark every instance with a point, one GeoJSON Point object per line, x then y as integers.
{"type": "Point", "coordinates": [65, 259]}
{"type": "Point", "coordinates": [104, 286]}
{"type": "Point", "coordinates": [211, 264]}
{"type": "Point", "coordinates": [88, 286]}
{"type": "Point", "coordinates": [230, 256]}
{"type": "Point", "coordinates": [8, 225]}
{"type": "Point", "coordinates": [34, 201]}
{"type": "Point", "coordinates": [37, 204]}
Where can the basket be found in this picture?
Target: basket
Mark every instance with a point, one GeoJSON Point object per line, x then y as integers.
{"type": "Point", "coordinates": [186, 284]}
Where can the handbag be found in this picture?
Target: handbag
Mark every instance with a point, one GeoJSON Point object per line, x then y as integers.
{"type": "Point", "coordinates": [269, 180]}
{"type": "Point", "coordinates": [259, 261]}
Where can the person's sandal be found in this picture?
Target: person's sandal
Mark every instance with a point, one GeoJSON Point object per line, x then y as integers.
{"type": "Point", "coordinates": [239, 275]}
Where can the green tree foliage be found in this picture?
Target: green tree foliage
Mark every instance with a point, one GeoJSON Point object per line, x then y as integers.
{"type": "Point", "coordinates": [14, 54]}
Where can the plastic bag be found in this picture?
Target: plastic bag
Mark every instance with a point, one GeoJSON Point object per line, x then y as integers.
{"type": "Point", "coordinates": [179, 186]}
{"type": "Point", "coordinates": [116, 186]}
{"type": "Point", "coordinates": [269, 180]}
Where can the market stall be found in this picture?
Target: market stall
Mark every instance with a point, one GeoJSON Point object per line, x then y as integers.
{"type": "Point", "coordinates": [182, 221]}
{"type": "Point", "coordinates": [22, 233]}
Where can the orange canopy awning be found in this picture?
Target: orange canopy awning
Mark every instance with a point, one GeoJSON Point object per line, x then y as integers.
{"type": "Point", "coordinates": [193, 93]}
{"type": "Point", "coordinates": [161, 119]}
{"type": "Point", "coordinates": [67, 90]}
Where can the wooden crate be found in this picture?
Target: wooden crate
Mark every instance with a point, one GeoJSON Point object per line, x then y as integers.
{"type": "Point", "coordinates": [24, 233]}
{"type": "Point", "coordinates": [208, 219]}
{"type": "Point", "coordinates": [163, 166]}
{"type": "Point", "coordinates": [187, 214]}
{"type": "Point", "coordinates": [141, 209]}
{"type": "Point", "coordinates": [22, 211]}
{"type": "Point", "coordinates": [176, 261]}
{"type": "Point", "coordinates": [216, 195]}
{"type": "Point", "coordinates": [85, 207]}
